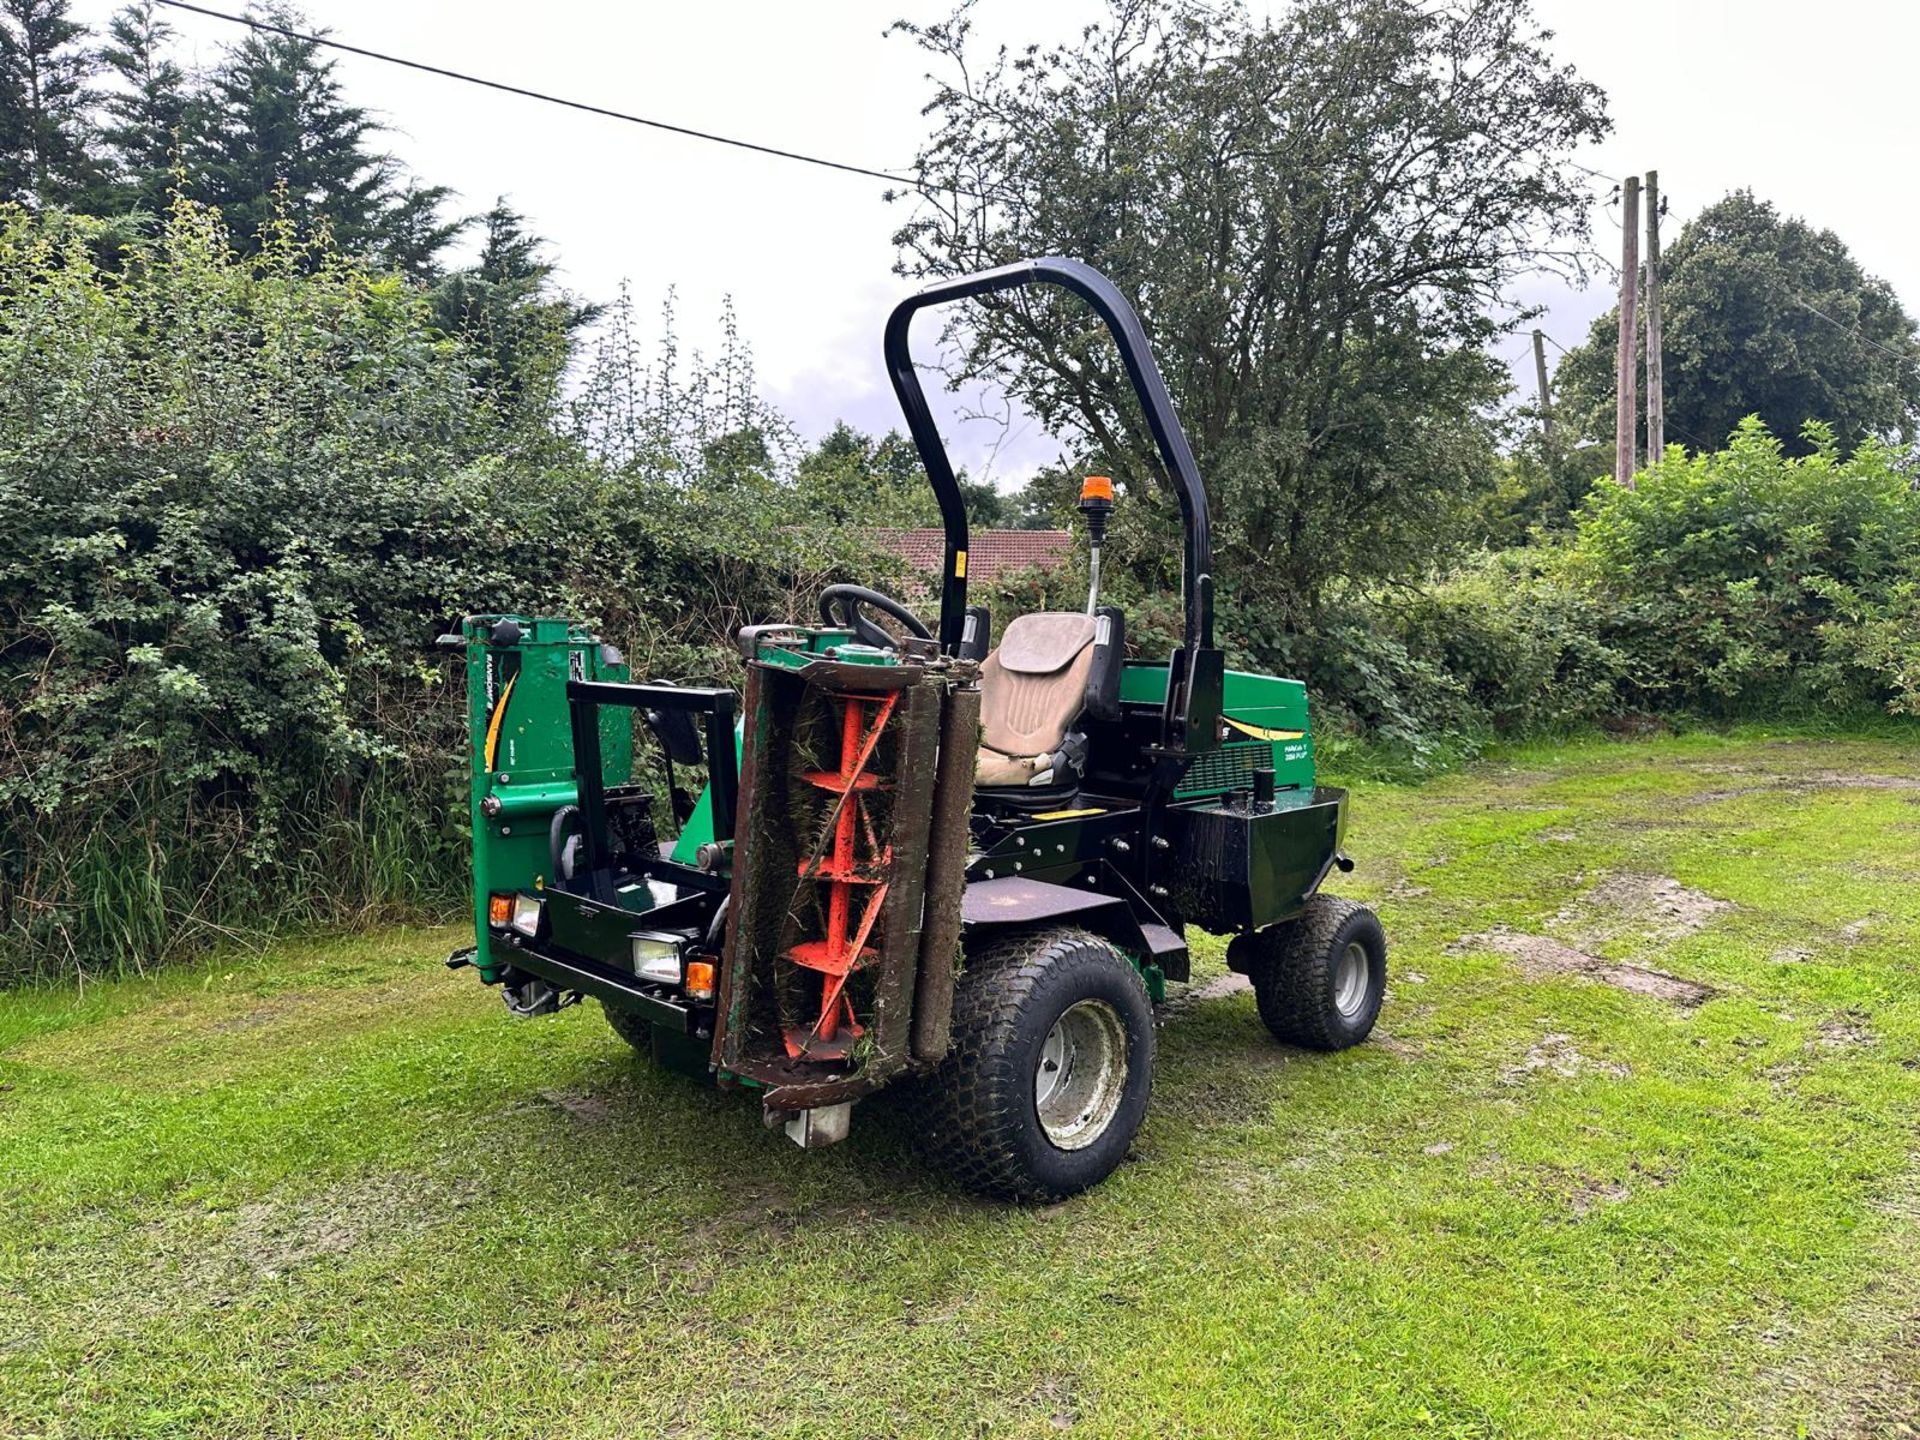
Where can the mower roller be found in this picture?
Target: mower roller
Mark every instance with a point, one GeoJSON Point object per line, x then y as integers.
{"type": "Point", "coordinates": [918, 856]}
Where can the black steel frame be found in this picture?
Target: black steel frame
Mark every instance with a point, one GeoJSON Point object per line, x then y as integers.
{"type": "Point", "coordinates": [584, 699]}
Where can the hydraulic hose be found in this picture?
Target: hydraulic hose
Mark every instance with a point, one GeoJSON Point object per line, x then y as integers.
{"type": "Point", "coordinates": [563, 820]}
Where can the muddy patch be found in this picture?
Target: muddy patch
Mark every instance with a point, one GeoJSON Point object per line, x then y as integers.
{"type": "Point", "coordinates": [1395, 1045]}
{"type": "Point", "coordinates": [1556, 1054]}
{"type": "Point", "coordinates": [764, 1214]}
{"type": "Point", "coordinates": [1657, 908]}
{"type": "Point", "coordinates": [1847, 1032]}
{"type": "Point", "coordinates": [1218, 988]}
{"type": "Point", "coordinates": [218, 1257]}
{"type": "Point", "coordinates": [267, 1012]}
{"type": "Point", "coordinates": [584, 1106]}
{"type": "Point", "coordinates": [272, 1237]}
{"type": "Point", "coordinates": [1763, 783]}
{"type": "Point", "coordinates": [1591, 1195]}
{"type": "Point", "coordinates": [1538, 955]}
{"type": "Point", "coordinates": [1849, 780]}
{"type": "Point", "coordinates": [1715, 797]}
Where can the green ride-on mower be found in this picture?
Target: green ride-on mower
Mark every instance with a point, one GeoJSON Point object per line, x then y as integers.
{"type": "Point", "coordinates": [919, 857]}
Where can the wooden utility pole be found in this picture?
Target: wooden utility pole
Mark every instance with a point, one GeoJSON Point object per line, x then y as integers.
{"type": "Point", "coordinates": [1540, 375]}
{"type": "Point", "coordinates": [1656, 394]}
{"type": "Point", "coordinates": [1626, 369]}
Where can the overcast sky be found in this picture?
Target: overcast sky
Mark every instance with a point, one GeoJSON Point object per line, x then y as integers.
{"type": "Point", "coordinates": [1808, 105]}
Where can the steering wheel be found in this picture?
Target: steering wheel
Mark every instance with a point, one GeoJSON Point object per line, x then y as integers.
{"type": "Point", "coordinates": [840, 608]}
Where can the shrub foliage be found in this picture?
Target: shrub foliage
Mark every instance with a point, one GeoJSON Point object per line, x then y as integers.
{"type": "Point", "coordinates": [239, 496]}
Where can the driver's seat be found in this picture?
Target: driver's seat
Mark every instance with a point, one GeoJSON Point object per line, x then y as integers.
{"type": "Point", "coordinates": [1052, 668]}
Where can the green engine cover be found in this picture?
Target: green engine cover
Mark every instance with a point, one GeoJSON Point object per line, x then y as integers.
{"type": "Point", "coordinates": [521, 740]}
{"type": "Point", "coordinates": [1266, 724]}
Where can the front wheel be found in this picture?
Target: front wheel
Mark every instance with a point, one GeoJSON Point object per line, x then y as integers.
{"type": "Point", "coordinates": [1050, 1068]}
{"type": "Point", "coordinates": [1320, 977]}
{"type": "Point", "coordinates": [635, 1030]}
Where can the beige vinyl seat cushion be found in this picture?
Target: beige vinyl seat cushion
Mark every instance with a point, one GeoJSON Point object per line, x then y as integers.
{"type": "Point", "coordinates": [1032, 689]}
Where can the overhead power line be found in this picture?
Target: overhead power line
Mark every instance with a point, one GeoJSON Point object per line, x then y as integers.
{"type": "Point", "coordinates": [268, 27]}
{"type": "Point", "coordinates": [1853, 330]}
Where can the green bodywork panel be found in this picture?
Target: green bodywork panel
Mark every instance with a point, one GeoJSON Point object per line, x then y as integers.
{"type": "Point", "coordinates": [1263, 713]}
{"type": "Point", "coordinates": [520, 737]}
{"type": "Point", "coordinates": [699, 827]}
{"type": "Point", "coordinates": [800, 645]}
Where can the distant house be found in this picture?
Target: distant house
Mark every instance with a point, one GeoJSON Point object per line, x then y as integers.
{"type": "Point", "coordinates": [990, 553]}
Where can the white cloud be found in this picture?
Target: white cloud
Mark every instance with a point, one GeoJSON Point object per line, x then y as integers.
{"type": "Point", "coordinates": [1807, 107]}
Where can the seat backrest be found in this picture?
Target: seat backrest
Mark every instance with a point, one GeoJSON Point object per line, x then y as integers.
{"type": "Point", "coordinates": [1034, 686]}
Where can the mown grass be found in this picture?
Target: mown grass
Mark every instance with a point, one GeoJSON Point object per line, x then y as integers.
{"type": "Point", "coordinates": [334, 1191]}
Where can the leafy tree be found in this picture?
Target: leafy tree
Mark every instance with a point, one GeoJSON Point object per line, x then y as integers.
{"type": "Point", "coordinates": [282, 144]}
{"type": "Point", "coordinates": [44, 100]}
{"type": "Point", "coordinates": [1761, 315]}
{"type": "Point", "coordinates": [853, 478]}
{"type": "Point", "coordinates": [146, 114]}
{"type": "Point", "coordinates": [1314, 215]}
{"type": "Point", "coordinates": [506, 308]}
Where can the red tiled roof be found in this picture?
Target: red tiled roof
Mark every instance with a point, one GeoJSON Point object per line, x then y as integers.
{"type": "Point", "coordinates": [990, 553]}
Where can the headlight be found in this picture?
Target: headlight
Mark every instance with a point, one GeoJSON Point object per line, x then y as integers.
{"type": "Point", "coordinates": [526, 915]}
{"type": "Point", "coordinates": [656, 958]}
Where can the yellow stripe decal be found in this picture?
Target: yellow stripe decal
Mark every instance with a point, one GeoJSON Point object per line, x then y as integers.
{"type": "Point", "coordinates": [1265, 732]}
{"type": "Point", "coordinates": [959, 564]}
{"type": "Point", "coordinates": [1068, 814]}
{"type": "Point", "coordinates": [499, 713]}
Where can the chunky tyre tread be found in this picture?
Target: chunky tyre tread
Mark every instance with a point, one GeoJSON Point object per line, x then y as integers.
{"type": "Point", "coordinates": [1292, 976]}
{"type": "Point", "coordinates": [631, 1028]}
{"type": "Point", "coordinates": [977, 1103]}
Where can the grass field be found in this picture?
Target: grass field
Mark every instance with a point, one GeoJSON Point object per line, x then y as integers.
{"type": "Point", "coordinates": [1634, 1152]}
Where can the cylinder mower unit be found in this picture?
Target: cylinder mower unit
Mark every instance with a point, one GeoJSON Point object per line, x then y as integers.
{"type": "Point", "coordinates": [848, 824]}
{"type": "Point", "coordinates": [918, 853]}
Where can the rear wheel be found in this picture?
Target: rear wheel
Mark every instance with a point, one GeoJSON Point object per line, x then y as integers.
{"type": "Point", "coordinates": [1050, 1068]}
{"type": "Point", "coordinates": [1320, 977]}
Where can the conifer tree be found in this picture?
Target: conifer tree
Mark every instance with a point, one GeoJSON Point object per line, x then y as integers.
{"type": "Point", "coordinates": [282, 143]}
{"type": "Point", "coordinates": [44, 100]}
{"type": "Point", "coordinates": [147, 115]}
{"type": "Point", "coordinates": [506, 307]}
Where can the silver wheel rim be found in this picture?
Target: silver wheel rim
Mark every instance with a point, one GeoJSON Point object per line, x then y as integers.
{"type": "Point", "coordinates": [1081, 1074]}
{"type": "Point", "coordinates": [1350, 980]}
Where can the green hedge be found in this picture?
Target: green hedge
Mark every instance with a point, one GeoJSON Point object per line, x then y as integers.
{"type": "Point", "coordinates": [1737, 584]}
{"type": "Point", "coordinates": [1744, 580]}
{"type": "Point", "coordinates": [238, 499]}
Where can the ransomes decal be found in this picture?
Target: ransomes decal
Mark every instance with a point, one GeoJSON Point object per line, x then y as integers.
{"type": "Point", "coordinates": [1265, 732]}
{"type": "Point", "coordinates": [499, 714]}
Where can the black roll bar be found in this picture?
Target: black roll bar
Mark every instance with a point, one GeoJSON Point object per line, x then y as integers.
{"type": "Point", "coordinates": [1099, 292]}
